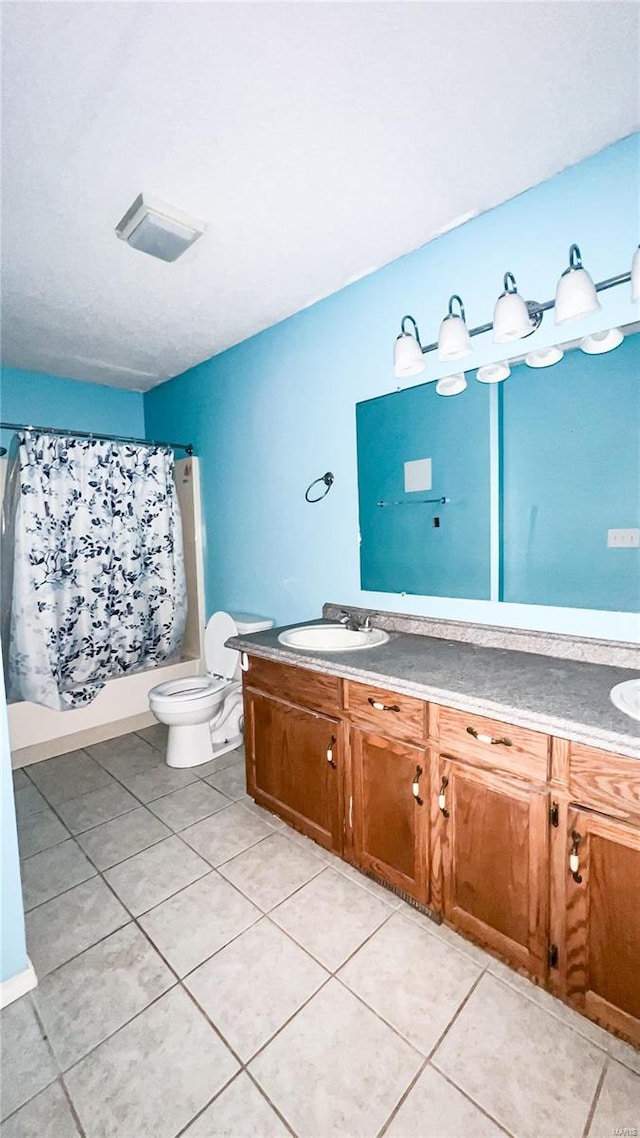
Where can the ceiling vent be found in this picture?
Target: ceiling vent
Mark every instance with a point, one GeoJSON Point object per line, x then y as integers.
{"type": "Point", "coordinates": [158, 229]}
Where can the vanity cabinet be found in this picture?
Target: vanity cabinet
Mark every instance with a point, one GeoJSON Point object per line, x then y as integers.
{"type": "Point", "coordinates": [602, 932]}
{"type": "Point", "coordinates": [389, 807]}
{"type": "Point", "coordinates": [295, 755]}
{"type": "Point", "coordinates": [494, 835]}
{"type": "Point", "coordinates": [527, 845]}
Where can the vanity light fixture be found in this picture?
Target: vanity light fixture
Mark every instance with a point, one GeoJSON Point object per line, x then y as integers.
{"type": "Point", "coordinates": [453, 339]}
{"type": "Point", "coordinates": [407, 353]}
{"type": "Point", "coordinates": [576, 294]}
{"type": "Point", "coordinates": [451, 384]}
{"type": "Point", "coordinates": [635, 276]}
{"type": "Point", "coordinates": [513, 317]}
{"type": "Point", "coordinates": [544, 357]}
{"type": "Point", "coordinates": [600, 342]}
{"type": "Point", "coordinates": [493, 373]}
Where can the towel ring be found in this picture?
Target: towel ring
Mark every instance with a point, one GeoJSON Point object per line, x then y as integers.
{"type": "Point", "coordinates": [328, 482]}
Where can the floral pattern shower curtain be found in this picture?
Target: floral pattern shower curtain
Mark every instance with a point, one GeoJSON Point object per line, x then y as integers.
{"type": "Point", "coordinates": [98, 573]}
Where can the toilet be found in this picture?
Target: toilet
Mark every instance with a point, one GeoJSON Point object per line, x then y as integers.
{"type": "Point", "coordinates": [204, 713]}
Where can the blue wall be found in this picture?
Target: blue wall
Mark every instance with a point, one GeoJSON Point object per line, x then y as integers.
{"type": "Point", "coordinates": [46, 401]}
{"type": "Point", "coordinates": [275, 412]}
{"type": "Point", "coordinates": [400, 548]}
{"type": "Point", "coordinates": [13, 951]}
{"type": "Point", "coordinates": [571, 453]}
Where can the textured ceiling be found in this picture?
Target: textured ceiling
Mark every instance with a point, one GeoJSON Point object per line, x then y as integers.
{"type": "Point", "coordinates": [318, 140]}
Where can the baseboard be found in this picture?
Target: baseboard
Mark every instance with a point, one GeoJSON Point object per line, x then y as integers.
{"type": "Point", "coordinates": [18, 985]}
{"type": "Point", "coordinates": [24, 756]}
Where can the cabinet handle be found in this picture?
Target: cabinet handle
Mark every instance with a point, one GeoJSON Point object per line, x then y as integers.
{"type": "Point", "coordinates": [330, 758]}
{"type": "Point", "coordinates": [489, 738]}
{"type": "Point", "coordinates": [574, 860]}
{"type": "Point", "coordinates": [415, 789]}
{"type": "Point", "coordinates": [383, 706]}
{"type": "Point", "coordinates": [442, 800]}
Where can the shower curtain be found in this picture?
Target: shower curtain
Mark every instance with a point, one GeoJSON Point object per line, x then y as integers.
{"type": "Point", "coordinates": [98, 585]}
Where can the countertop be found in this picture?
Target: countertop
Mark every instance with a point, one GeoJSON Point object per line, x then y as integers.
{"type": "Point", "coordinates": [567, 698]}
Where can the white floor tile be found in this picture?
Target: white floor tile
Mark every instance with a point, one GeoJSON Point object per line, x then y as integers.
{"type": "Point", "coordinates": [254, 985]}
{"type": "Point", "coordinates": [528, 1070]}
{"type": "Point", "coordinates": [349, 1069]}
{"type": "Point", "coordinates": [198, 921]}
{"type": "Point", "coordinates": [331, 917]}
{"type": "Point", "coordinates": [151, 1077]}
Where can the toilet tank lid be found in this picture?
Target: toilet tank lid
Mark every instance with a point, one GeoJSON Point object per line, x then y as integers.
{"type": "Point", "coordinates": [247, 622]}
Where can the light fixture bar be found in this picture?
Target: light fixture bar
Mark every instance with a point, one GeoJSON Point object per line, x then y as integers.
{"type": "Point", "coordinates": [601, 286]}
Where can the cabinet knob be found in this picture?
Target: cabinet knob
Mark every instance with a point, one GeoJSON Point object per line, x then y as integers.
{"type": "Point", "coordinates": [330, 758]}
{"type": "Point", "coordinates": [383, 706]}
{"type": "Point", "coordinates": [442, 800]}
{"type": "Point", "coordinates": [415, 788]}
{"type": "Point", "coordinates": [574, 859]}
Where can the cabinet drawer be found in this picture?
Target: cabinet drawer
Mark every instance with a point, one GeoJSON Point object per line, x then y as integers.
{"type": "Point", "coordinates": [607, 782]}
{"type": "Point", "coordinates": [401, 716]}
{"type": "Point", "coordinates": [295, 685]}
{"type": "Point", "coordinates": [491, 744]}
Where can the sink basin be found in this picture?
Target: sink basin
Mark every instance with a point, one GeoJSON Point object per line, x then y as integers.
{"type": "Point", "coordinates": [332, 638]}
{"type": "Point", "coordinates": [626, 697]}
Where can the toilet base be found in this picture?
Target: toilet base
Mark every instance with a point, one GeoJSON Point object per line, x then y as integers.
{"type": "Point", "coordinates": [189, 745]}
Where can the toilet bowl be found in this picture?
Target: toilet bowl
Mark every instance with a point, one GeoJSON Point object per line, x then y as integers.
{"type": "Point", "coordinates": [204, 713]}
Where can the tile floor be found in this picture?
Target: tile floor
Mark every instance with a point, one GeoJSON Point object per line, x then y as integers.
{"type": "Point", "coordinates": [205, 971]}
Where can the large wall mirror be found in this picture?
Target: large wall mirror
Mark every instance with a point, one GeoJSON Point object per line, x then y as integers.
{"type": "Point", "coordinates": [524, 490]}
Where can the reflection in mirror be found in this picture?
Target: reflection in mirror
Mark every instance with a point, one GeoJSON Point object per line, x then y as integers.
{"type": "Point", "coordinates": [539, 467]}
{"type": "Point", "coordinates": [571, 479]}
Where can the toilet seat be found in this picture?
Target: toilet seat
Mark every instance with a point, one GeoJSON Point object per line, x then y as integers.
{"type": "Point", "coordinates": [188, 692]}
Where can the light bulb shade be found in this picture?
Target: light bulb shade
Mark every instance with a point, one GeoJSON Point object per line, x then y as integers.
{"type": "Point", "coordinates": [600, 342]}
{"type": "Point", "coordinates": [493, 373]}
{"type": "Point", "coordinates": [576, 294]}
{"type": "Point", "coordinates": [635, 276]}
{"type": "Point", "coordinates": [544, 357]}
{"type": "Point", "coordinates": [511, 320]}
{"type": "Point", "coordinates": [451, 384]}
{"type": "Point", "coordinates": [454, 342]}
{"type": "Point", "coordinates": [407, 356]}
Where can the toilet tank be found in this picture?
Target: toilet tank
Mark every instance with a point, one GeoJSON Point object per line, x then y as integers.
{"type": "Point", "coordinates": [247, 622]}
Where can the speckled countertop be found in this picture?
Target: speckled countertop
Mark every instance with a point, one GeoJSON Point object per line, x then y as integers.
{"type": "Point", "coordinates": [568, 698]}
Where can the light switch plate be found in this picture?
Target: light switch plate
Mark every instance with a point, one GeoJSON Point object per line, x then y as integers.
{"type": "Point", "coordinates": [623, 538]}
{"type": "Point", "coordinates": [417, 475]}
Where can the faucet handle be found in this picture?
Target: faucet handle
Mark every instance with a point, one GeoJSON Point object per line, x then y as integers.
{"type": "Point", "coordinates": [344, 617]}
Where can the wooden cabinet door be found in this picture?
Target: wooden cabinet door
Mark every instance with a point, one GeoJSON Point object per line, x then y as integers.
{"type": "Point", "coordinates": [495, 861]}
{"type": "Point", "coordinates": [295, 766]}
{"type": "Point", "coordinates": [390, 825]}
{"type": "Point", "coordinates": [603, 921]}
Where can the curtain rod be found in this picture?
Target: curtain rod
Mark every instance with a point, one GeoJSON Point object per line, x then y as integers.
{"type": "Point", "coordinates": [187, 447]}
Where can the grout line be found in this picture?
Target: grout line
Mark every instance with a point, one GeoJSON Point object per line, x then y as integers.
{"type": "Point", "coordinates": [403, 1097]}
{"type": "Point", "coordinates": [596, 1096]}
{"type": "Point", "coordinates": [72, 1108]}
{"type": "Point", "coordinates": [555, 1014]}
{"type": "Point", "coordinates": [465, 1094]}
{"type": "Point", "coordinates": [56, 1078]}
{"type": "Point", "coordinates": [455, 1016]}
{"type": "Point", "coordinates": [273, 1106]}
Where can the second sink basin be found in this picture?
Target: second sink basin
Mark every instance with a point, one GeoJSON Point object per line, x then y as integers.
{"type": "Point", "coordinates": [626, 697]}
{"type": "Point", "coordinates": [332, 638]}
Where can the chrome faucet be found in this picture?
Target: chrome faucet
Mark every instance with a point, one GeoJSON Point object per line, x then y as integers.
{"type": "Point", "coordinates": [353, 622]}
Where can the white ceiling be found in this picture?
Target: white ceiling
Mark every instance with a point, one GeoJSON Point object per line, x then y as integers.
{"type": "Point", "coordinates": [318, 140]}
